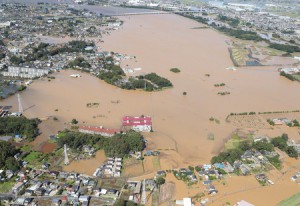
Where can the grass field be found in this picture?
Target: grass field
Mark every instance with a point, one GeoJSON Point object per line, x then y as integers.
{"type": "Point", "coordinates": [26, 148]}
{"type": "Point", "coordinates": [297, 77]}
{"type": "Point", "coordinates": [156, 163]}
{"type": "Point", "coordinates": [6, 186]}
{"type": "Point", "coordinates": [132, 167]}
{"type": "Point", "coordinates": [291, 201]}
{"type": "Point", "coordinates": [235, 141]}
{"type": "Point", "coordinates": [155, 198]}
{"type": "Point", "coordinates": [32, 157]}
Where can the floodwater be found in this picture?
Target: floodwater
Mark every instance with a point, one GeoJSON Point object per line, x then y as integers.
{"type": "Point", "coordinates": [181, 123]}
{"type": "Point", "coordinates": [237, 188]}
{"type": "Point", "coordinates": [87, 166]}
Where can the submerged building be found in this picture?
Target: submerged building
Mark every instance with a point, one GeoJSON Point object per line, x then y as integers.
{"type": "Point", "coordinates": [99, 130]}
{"type": "Point", "coordinates": [139, 124]}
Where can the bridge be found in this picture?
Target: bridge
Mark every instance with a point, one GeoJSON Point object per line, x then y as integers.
{"type": "Point", "coordinates": [154, 12]}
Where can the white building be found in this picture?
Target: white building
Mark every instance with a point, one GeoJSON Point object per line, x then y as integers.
{"type": "Point", "coordinates": [139, 124]}
{"type": "Point", "coordinates": [185, 202]}
{"type": "Point", "coordinates": [25, 72]}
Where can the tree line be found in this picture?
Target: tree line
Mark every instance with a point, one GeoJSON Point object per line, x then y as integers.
{"type": "Point", "coordinates": [285, 47]}
{"type": "Point", "coordinates": [241, 34]}
{"type": "Point", "coordinates": [7, 153]}
{"type": "Point", "coordinates": [43, 50]}
{"type": "Point", "coordinates": [111, 74]}
{"type": "Point", "coordinates": [281, 143]}
{"type": "Point", "coordinates": [161, 82]}
{"type": "Point", "coordinates": [288, 76]}
{"type": "Point", "coordinates": [79, 62]}
{"type": "Point", "coordinates": [261, 146]}
{"type": "Point", "coordinates": [28, 128]}
{"type": "Point", "coordinates": [231, 21]}
{"type": "Point", "coordinates": [117, 146]}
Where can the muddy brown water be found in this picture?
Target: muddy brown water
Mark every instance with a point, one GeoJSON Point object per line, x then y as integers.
{"type": "Point", "coordinates": [182, 124]}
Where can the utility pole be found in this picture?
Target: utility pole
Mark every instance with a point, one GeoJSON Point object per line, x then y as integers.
{"type": "Point", "coordinates": [144, 197]}
{"type": "Point", "coordinates": [67, 162]}
{"type": "Point", "coordinates": [20, 104]}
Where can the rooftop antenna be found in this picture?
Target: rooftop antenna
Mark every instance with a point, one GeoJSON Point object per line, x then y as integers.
{"type": "Point", "coordinates": [20, 104]}
{"type": "Point", "coordinates": [66, 155]}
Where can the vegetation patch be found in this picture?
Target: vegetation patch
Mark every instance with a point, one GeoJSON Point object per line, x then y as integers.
{"type": "Point", "coordinates": [293, 200]}
{"type": "Point", "coordinates": [156, 162]}
{"type": "Point", "coordinates": [211, 136]}
{"type": "Point", "coordinates": [275, 162]}
{"type": "Point", "coordinates": [27, 128]}
{"type": "Point", "coordinates": [220, 85]}
{"type": "Point", "coordinates": [7, 153]}
{"type": "Point", "coordinates": [231, 21]}
{"type": "Point", "coordinates": [281, 143]}
{"type": "Point", "coordinates": [236, 141]}
{"type": "Point", "coordinates": [5, 187]}
{"type": "Point", "coordinates": [213, 119]}
{"type": "Point", "coordinates": [236, 146]}
{"type": "Point", "coordinates": [292, 77]}
{"type": "Point", "coordinates": [285, 47]}
{"type": "Point", "coordinates": [79, 62]}
{"type": "Point", "coordinates": [223, 93]}
{"type": "Point", "coordinates": [117, 146]}
{"type": "Point", "coordinates": [175, 70]}
{"type": "Point", "coordinates": [32, 157]}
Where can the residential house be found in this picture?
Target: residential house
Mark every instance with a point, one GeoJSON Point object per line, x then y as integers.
{"type": "Point", "coordinates": [56, 202]}
{"type": "Point", "coordinates": [206, 182]}
{"type": "Point", "coordinates": [40, 191]}
{"type": "Point", "coordinates": [18, 187]}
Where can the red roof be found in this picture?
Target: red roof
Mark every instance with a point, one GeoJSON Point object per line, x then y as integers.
{"type": "Point", "coordinates": [99, 129]}
{"type": "Point", "coordinates": [136, 121]}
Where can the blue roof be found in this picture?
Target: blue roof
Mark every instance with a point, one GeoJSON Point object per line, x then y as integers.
{"type": "Point", "coordinates": [219, 165]}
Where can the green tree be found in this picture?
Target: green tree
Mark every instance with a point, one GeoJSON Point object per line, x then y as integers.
{"type": "Point", "coordinates": [291, 152]}
{"type": "Point", "coordinates": [131, 203]}
{"type": "Point", "coordinates": [74, 121]}
{"type": "Point", "coordinates": [15, 60]}
{"type": "Point", "coordinates": [118, 146]}
{"type": "Point", "coordinates": [245, 145]}
{"type": "Point", "coordinates": [12, 164]}
{"type": "Point", "coordinates": [120, 202]}
{"type": "Point", "coordinates": [158, 80]}
{"type": "Point", "coordinates": [160, 181]}
{"type": "Point", "coordinates": [7, 152]}
{"type": "Point", "coordinates": [279, 142]}
{"type": "Point", "coordinates": [285, 136]}
{"type": "Point", "coordinates": [2, 56]}
{"type": "Point", "coordinates": [263, 145]}
{"type": "Point", "coordinates": [19, 125]}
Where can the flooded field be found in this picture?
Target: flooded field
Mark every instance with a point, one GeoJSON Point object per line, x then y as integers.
{"type": "Point", "coordinates": [247, 187]}
{"type": "Point", "coordinates": [87, 166]}
{"type": "Point", "coordinates": [181, 122]}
